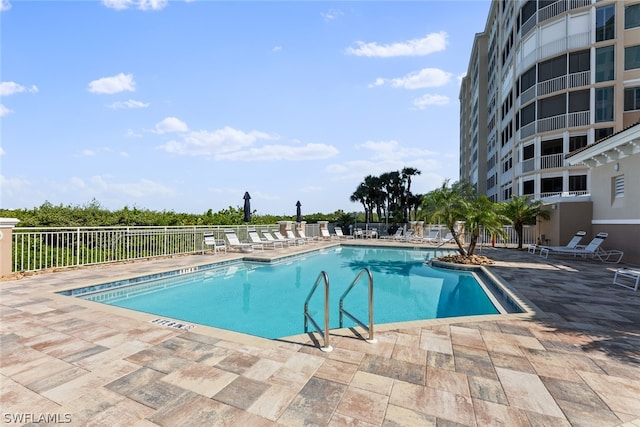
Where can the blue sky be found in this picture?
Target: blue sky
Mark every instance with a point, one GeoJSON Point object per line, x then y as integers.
{"type": "Point", "coordinates": [185, 105]}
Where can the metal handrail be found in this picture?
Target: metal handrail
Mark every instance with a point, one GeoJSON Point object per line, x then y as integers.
{"type": "Point", "coordinates": [343, 311]}
{"type": "Point", "coordinates": [322, 276]}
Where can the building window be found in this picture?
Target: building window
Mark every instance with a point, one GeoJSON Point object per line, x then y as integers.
{"type": "Point", "coordinates": [528, 187]}
{"type": "Point", "coordinates": [555, 67]}
{"type": "Point", "coordinates": [576, 142]}
{"type": "Point", "coordinates": [618, 186]}
{"type": "Point", "coordinates": [579, 61]}
{"type": "Point", "coordinates": [632, 99]}
{"type": "Point", "coordinates": [527, 79]}
{"type": "Point", "coordinates": [579, 101]}
{"type": "Point", "coordinates": [632, 57]}
{"type": "Point", "coordinates": [553, 106]}
{"type": "Point", "coordinates": [551, 185]}
{"type": "Point", "coordinates": [528, 152]}
{"type": "Point", "coordinates": [603, 133]}
{"type": "Point", "coordinates": [552, 146]}
{"type": "Point", "coordinates": [605, 59]}
{"type": "Point", "coordinates": [605, 23]}
{"type": "Point", "coordinates": [604, 104]}
{"type": "Point", "coordinates": [632, 16]}
{"type": "Point", "coordinates": [578, 183]}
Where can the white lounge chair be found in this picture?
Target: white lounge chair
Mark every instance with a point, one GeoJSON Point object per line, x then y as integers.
{"type": "Point", "coordinates": [340, 234]}
{"type": "Point", "coordinates": [432, 237]}
{"type": "Point", "coordinates": [324, 233]}
{"type": "Point", "coordinates": [269, 238]}
{"type": "Point", "coordinates": [255, 238]}
{"type": "Point", "coordinates": [209, 240]}
{"type": "Point", "coordinates": [234, 242]}
{"type": "Point", "coordinates": [592, 250]}
{"type": "Point", "coordinates": [303, 235]}
{"type": "Point", "coordinates": [396, 235]}
{"type": "Point", "coordinates": [289, 240]}
{"type": "Point", "coordinates": [573, 243]}
{"type": "Point", "coordinates": [623, 274]}
{"type": "Point", "coordinates": [289, 235]}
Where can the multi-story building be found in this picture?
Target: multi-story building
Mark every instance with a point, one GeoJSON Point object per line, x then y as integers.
{"type": "Point", "coordinates": [545, 78]}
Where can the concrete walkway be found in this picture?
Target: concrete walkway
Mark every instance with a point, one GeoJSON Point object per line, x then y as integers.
{"type": "Point", "coordinates": [573, 361]}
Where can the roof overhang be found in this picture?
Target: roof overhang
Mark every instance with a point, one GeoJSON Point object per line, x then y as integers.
{"type": "Point", "coordinates": [616, 147]}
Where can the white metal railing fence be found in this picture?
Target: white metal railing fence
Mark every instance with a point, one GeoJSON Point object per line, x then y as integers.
{"type": "Point", "coordinates": [41, 248]}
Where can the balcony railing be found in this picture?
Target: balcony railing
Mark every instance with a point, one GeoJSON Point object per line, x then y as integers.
{"type": "Point", "coordinates": [552, 161]}
{"type": "Point", "coordinates": [552, 10]}
{"type": "Point", "coordinates": [579, 118]}
{"type": "Point", "coordinates": [552, 123]}
{"type": "Point", "coordinates": [576, 4]}
{"type": "Point", "coordinates": [552, 85]}
{"type": "Point", "coordinates": [582, 78]}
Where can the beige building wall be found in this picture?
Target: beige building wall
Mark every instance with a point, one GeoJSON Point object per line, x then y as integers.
{"type": "Point", "coordinates": [618, 216]}
{"type": "Point", "coordinates": [566, 218]}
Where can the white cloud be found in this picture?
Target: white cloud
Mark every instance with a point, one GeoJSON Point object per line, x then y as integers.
{"type": "Point", "coordinates": [2, 152]}
{"type": "Point", "coordinates": [461, 76]}
{"type": "Point", "coordinates": [170, 124]}
{"type": "Point", "coordinates": [205, 143]}
{"type": "Point", "coordinates": [132, 134]}
{"type": "Point", "coordinates": [142, 188]}
{"type": "Point", "coordinates": [4, 5]}
{"type": "Point", "coordinates": [331, 14]}
{"type": "Point", "coordinates": [283, 152]}
{"type": "Point", "coordinates": [4, 111]}
{"type": "Point", "coordinates": [11, 88]}
{"type": "Point", "coordinates": [127, 104]}
{"type": "Point", "coordinates": [88, 153]}
{"type": "Point", "coordinates": [427, 77]}
{"type": "Point", "coordinates": [136, 4]}
{"type": "Point", "coordinates": [387, 149]}
{"type": "Point", "coordinates": [110, 85]}
{"type": "Point", "coordinates": [276, 49]}
{"type": "Point", "coordinates": [124, 154]}
{"type": "Point", "coordinates": [434, 42]}
{"type": "Point", "coordinates": [425, 100]}
{"type": "Point", "coordinates": [13, 186]}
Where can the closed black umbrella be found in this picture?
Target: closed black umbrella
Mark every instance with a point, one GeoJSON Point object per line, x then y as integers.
{"type": "Point", "coordinates": [298, 212]}
{"type": "Point", "coordinates": [247, 207]}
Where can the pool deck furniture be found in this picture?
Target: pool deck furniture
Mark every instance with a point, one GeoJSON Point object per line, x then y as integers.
{"type": "Point", "coordinates": [306, 238]}
{"type": "Point", "coordinates": [623, 275]}
{"type": "Point", "coordinates": [209, 241]}
{"type": "Point", "coordinates": [572, 244]}
{"type": "Point", "coordinates": [235, 243]}
{"type": "Point", "coordinates": [593, 250]}
{"type": "Point", "coordinates": [394, 236]}
{"type": "Point", "coordinates": [341, 235]}
{"type": "Point", "coordinates": [269, 238]}
{"type": "Point", "coordinates": [255, 238]}
{"type": "Point", "coordinates": [324, 233]}
{"type": "Point", "coordinates": [289, 240]}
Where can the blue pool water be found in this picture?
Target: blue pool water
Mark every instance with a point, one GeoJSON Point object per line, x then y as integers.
{"type": "Point", "coordinates": [267, 300]}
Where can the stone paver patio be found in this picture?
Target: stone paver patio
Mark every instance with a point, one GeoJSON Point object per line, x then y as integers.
{"type": "Point", "coordinates": [573, 361]}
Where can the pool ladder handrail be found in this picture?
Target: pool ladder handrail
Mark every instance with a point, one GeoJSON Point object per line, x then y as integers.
{"type": "Point", "coordinates": [321, 277]}
{"type": "Point", "coordinates": [343, 312]}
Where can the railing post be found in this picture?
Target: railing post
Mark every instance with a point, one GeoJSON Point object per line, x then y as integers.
{"type": "Point", "coordinates": [6, 242]}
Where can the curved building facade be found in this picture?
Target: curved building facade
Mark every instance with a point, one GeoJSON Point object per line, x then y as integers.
{"type": "Point", "coordinates": [546, 78]}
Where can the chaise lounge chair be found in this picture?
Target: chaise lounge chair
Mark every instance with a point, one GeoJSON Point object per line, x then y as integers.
{"type": "Point", "coordinates": [234, 242]}
{"type": "Point", "coordinates": [255, 238]}
{"type": "Point", "coordinates": [289, 240]}
{"type": "Point", "coordinates": [209, 240]}
{"type": "Point", "coordinates": [303, 235]}
{"type": "Point", "coordinates": [340, 234]}
{"type": "Point", "coordinates": [432, 237]}
{"type": "Point", "coordinates": [592, 250]}
{"type": "Point", "coordinates": [395, 236]}
{"type": "Point", "coordinates": [269, 238]}
{"type": "Point", "coordinates": [324, 233]}
{"type": "Point", "coordinates": [622, 274]}
{"type": "Point", "coordinates": [573, 243]}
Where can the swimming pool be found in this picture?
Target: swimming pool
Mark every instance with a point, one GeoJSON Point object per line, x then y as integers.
{"type": "Point", "coordinates": [267, 299]}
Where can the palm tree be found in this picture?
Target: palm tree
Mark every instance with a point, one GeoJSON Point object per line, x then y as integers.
{"type": "Point", "coordinates": [482, 215]}
{"type": "Point", "coordinates": [448, 205]}
{"type": "Point", "coordinates": [407, 173]}
{"type": "Point", "coordinates": [521, 211]}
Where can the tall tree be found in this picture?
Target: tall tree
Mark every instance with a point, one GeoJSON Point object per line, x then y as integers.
{"type": "Point", "coordinates": [407, 173]}
{"type": "Point", "coordinates": [521, 211]}
{"type": "Point", "coordinates": [447, 205]}
{"type": "Point", "coordinates": [482, 215]}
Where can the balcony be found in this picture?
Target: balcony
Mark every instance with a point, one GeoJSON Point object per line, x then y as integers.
{"type": "Point", "coordinates": [552, 161]}
{"type": "Point", "coordinates": [582, 78]}
{"type": "Point", "coordinates": [552, 10]}
{"type": "Point", "coordinates": [552, 85]}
